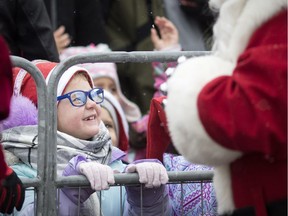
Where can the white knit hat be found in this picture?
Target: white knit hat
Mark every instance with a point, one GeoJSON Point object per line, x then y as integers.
{"type": "Point", "coordinates": [25, 84]}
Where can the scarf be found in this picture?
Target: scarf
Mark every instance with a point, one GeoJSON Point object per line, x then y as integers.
{"type": "Point", "coordinates": [22, 141]}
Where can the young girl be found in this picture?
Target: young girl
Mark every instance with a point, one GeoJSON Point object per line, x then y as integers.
{"type": "Point", "coordinates": [83, 147]}
{"type": "Point", "coordinates": [105, 76]}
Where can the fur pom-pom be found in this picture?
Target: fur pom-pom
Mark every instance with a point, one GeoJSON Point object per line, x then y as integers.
{"type": "Point", "coordinates": [22, 112]}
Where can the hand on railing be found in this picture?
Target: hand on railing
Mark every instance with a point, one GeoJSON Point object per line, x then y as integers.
{"type": "Point", "coordinates": [99, 175]}
{"type": "Point", "coordinates": [151, 174]}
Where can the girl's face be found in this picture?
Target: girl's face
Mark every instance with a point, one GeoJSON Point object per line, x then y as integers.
{"type": "Point", "coordinates": [109, 124]}
{"type": "Point", "coordinates": [108, 84]}
{"type": "Point", "coordinates": [80, 122]}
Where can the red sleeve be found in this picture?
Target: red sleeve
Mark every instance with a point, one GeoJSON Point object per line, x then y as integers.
{"type": "Point", "coordinates": [4, 169]}
{"type": "Point", "coordinates": [248, 110]}
{"type": "Point", "coordinates": [6, 86]}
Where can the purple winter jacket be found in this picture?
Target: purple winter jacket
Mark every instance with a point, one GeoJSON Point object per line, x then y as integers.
{"type": "Point", "coordinates": [155, 201]}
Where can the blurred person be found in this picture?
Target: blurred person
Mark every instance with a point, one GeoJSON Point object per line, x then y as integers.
{"type": "Point", "coordinates": [62, 39]}
{"type": "Point", "coordinates": [81, 20]}
{"type": "Point", "coordinates": [128, 24]}
{"type": "Point", "coordinates": [90, 151]}
{"type": "Point", "coordinates": [12, 192]}
{"type": "Point", "coordinates": [26, 27]}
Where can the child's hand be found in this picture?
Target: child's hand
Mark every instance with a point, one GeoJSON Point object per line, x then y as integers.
{"type": "Point", "coordinates": [168, 31]}
{"type": "Point", "coordinates": [99, 175]}
{"type": "Point", "coordinates": [151, 174]}
{"type": "Point", "coordinates": [61, 38]}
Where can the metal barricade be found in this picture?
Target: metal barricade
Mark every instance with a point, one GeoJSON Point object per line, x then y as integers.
{"type": "Point", "coordinates": [47, 178]}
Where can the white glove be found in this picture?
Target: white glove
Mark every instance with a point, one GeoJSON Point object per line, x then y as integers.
{"type": "Point", "coordinates": [99, 175]}
{"type": "Point", "coordinates": [151, 174]}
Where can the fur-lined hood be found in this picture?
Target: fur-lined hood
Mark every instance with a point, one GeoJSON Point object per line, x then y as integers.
{"type": "Point", "coordinates": [22, 112]}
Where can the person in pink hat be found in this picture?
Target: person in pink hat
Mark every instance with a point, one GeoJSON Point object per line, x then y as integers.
{"type": "Point", "coordinates": [84, 147]}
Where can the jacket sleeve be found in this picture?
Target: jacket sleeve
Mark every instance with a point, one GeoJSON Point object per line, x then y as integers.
{"type": "Point", "coordinates": [33, 36]}
{"type": "Point", "coordinates": [5, 170]}
{"type": "Point", "coordinates": [6, 87]}
{"type": "Point", "coordinates": [41, 43]}
{"type": "Point", "coordinates": [69, 196]}
{"type": "Point", "coordinates": [155, 201]}
{"type": "Point", "coordinates": [248, 110]}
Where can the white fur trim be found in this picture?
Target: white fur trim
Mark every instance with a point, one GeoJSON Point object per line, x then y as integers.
{"type": "Point", "coordinates": [233, 30]}
{"type": "Point", "coordinates": [186, 129]}
{"type": "Point", "coordinates": [223, 189]}
{"type": "Point", "coordinates": [215, 5]}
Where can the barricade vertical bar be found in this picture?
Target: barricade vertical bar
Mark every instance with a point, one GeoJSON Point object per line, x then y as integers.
{"type": "Point", "coordinates": [78, 205]}
{"type": "Point", "coordinates": [52, 134]}
{"type": "Point", "coordinates": [122, 201]}
{"type": "Point", "coordinates": [141, 199]}
{"type": "Point", "coordinates": [100, 201]}
{"type": "Point", "coordinates": [42, 128]}
{"type": "Point", "coordinates": [202, 203]}
{"type": "Point", "coordinates": [182, 207]}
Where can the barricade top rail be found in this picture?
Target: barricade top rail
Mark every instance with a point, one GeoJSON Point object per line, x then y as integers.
{"type": "Point", "coordinates": [127, 178]}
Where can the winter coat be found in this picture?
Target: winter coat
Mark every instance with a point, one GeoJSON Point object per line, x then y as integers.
{"type": "Point", "coordinates": [128, 25]}
{"type": "Point", "coordinates": [26, 27]}
{"type": "Point", "coordinates": [198, 198]}
{"type": "Point", "coordinates": [83, 20]}
{"type": "Point", "coordinates": [6, 90]}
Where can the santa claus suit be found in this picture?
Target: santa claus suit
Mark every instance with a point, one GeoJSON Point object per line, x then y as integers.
{"type": "Point", "coordinates": [229, 109]}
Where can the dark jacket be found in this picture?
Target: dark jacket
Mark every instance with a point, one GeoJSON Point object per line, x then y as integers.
{"type": "Point", "coordinates": [26, 27]}
{"type": "Point", "coordinates": [83, 20]}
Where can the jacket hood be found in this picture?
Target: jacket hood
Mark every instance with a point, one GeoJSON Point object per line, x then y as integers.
{"type": "Point", "coordinates": [22, 112]}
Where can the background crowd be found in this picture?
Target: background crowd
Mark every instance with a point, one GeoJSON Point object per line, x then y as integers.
{"type": "Point", "coordinates": [133, 130]}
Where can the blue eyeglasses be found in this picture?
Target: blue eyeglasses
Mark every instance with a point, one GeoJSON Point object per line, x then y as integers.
{"type": "Point", "coordinates": [78, 98]}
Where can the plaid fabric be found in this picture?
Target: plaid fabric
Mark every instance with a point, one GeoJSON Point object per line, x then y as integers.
{"type": "Point", "coordinates": [23, 142]}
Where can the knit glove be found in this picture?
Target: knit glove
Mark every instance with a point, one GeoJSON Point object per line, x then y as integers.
{"type": "Point", "coordinates": [99, 175]}
{"type": "Point", "coordinates": [151, 174]}
{"type": "Point", "coordinates": [12, 193]}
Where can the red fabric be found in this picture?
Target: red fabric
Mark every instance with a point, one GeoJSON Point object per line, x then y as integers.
{"type": "Point", "coordinates": [6, 87]}
{"type": "Point", "coordinates": [28, 87]}
{"type": "Point", "coordinates": [4, 169]}
{"type": "Point", "coordinates": [123, 139]}
{"type": "Point", "coordinates": [6, 90]}
{"type": "Point", "coordinates": [158, 138]}
{"type": "Point", "coordinates": [248, 112]}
